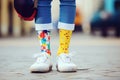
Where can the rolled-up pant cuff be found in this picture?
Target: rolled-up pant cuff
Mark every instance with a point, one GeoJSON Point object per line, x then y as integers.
{"type": "Point", "coordinates": [66, 26]}
{"type": "Point", "coordinates": [46, 26]}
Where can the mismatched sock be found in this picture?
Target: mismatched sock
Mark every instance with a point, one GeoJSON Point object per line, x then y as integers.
{"type": "Point", "coordinates": [44, 39]}
{"type": "Point", "coordinates": [65, 36]}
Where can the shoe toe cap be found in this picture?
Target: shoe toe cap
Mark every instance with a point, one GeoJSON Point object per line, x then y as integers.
{"type": "Point", "coordinates": [40, 67]}
{"type": "Point", "coordinates": [67, 67]}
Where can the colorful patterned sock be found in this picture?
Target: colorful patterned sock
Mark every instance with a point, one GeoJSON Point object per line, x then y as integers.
{"type": "Point", "coordinates": [65, 36]}
{"type": "Point", "coordinates": [44, 38]}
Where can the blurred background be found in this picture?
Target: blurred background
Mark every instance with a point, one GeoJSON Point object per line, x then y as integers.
{"type": "Point", "coordinates": [92, 17]}
{"type": "Point", "coordinates": [95, 42]}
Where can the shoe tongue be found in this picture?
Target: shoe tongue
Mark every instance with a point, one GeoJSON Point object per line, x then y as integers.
{"type": "Point", "coordinates": [66, 58]}
{"type": "Point", "coordinates": [41, 58]}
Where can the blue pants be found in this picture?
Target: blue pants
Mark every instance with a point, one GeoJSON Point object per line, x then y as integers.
{"type": "Point", "coordinates": [66, 18]}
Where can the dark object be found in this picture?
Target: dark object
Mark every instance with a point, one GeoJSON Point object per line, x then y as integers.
{"type": "Point", "coordinates": [112, 21]}
{"type": "Point", "coordinates": [25, 9]}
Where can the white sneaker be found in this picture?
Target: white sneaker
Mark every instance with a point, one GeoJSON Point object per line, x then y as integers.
{"type": "Point", "coordinates": [65, 64]}
{"type": "Point", "coordinates": [42, 64]}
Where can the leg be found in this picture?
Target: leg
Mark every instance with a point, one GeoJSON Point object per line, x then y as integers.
{"type": "Point", "coordinates": [43, 25]}
{"type": "Point", "coordinates": [66, 26]}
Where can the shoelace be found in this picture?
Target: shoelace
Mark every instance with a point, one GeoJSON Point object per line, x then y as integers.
{"type": "Point", "coordinates": [41, 57]}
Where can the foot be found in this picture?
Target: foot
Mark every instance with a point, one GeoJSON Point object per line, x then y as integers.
{"type": "Point", "coordinates": [42, 64]}
{"type": "Point", "coordinates": [65, 64]}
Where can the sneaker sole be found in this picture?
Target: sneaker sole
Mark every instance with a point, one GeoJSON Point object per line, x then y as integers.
{"type": "Point", "coordinates": [50, 69]}
{"type": "Point", "coordinates": [65, 71]}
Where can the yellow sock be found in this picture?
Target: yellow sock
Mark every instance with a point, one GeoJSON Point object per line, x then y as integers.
{"type": "Point", "coordinates": [65, 36]}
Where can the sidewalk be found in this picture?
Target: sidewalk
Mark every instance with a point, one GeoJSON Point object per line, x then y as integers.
{"type": "Point", "coordinates": [97, 58]}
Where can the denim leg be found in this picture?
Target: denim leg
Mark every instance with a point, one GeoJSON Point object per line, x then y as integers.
{"type": "Point", "coordinates": [43, 17]}
{"type": "Point", "coordinates": [67, 14]}
{"type": "Point", "coordinates": [67, 11]}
